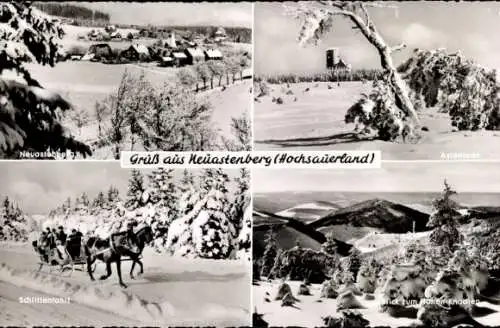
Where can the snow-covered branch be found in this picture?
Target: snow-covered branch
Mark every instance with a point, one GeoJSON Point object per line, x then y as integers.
{"type": "Point", "coordinates": [399, 47]}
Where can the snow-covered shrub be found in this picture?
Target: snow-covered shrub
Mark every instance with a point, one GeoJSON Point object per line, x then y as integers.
{"type": "Point", "coordinates": [404, 285]}
{"type": "Point", "coordinates": [349, 319]}
{"type": "Point", "coordinates": [456, 85]}
{"type": "Point", "coordinates": [367, 276]}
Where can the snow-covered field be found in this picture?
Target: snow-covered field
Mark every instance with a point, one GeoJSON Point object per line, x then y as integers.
{"type": "Point", "coordinates": [172, 291]}
{"type": "Point", "coordinates": [314, 120]}
{"type": "Point", "coordinates": [310, 309]}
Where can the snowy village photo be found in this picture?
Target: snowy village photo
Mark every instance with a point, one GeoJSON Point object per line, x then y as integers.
{"type": "Point", "coordinates": [417, 80]}
{"type": "Point", "coordinates": [408, 245]}
{"type": "Point", "coordinates": [92, 79]}
{"type": "Point", "coordinates": [118, 247]}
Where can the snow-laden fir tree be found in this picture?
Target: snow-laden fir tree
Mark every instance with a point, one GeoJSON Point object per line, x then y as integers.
{"type": "Point", "coordinates": [180, 233]}
{"type": "Point", "coordinates": [99, 202]}
{"type": "Point", "coordinates": [330, 245]}
{"type": "Point", "coordinates": [354, 261]}
{"type": "Point", "coordinates": [13, 222]}
{"type": "Point", "coordinates": [136, 189]}
{"type": "Point", "coordinates": [187, 181]}
{"type": "Point", "coordinates": [275, 273]}
{"type": "Point", "coordinates": [242, 199]}
{"type": "Point", "coordinates": [30, 118]}
{"type": "Point", "coordinates": [443, 220]}
{"type": "Point", "coordinates": [245, 236]}
{"type": "Point", "coordinates": [367, 276]}
{"type": "Point", "coordinates": [112, 195]}
{"type": "Point", "coordinates": [164, 192]}
{"type": "Point", "coordinates": [270, 252]}
{"type": "Point", "coordinates": [191, 202]}
{"type": "Point", "coordinates": [213, 232]}
{"type": "Point", "coordinates": [84, 200]}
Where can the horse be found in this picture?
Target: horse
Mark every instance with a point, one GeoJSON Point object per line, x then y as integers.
{"type": "Point", "coordinates": [106, 251]}
{"type": "Point", "coordinates": [143, 236]}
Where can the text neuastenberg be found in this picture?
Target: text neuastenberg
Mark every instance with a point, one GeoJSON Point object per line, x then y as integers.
{"type": "Point", "coordinates": [346, 159]}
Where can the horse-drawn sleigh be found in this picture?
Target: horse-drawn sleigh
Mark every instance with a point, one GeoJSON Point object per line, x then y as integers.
{"type": "Point", "coordinates": [82, 254]}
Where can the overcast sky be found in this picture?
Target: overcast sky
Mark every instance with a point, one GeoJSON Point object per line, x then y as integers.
{"type": "Point", "coordinates": [467, 26]}
{"type": "Point", "coordinates": [238, 14]}
{"type": "Point", "coordinates": [400, 177]}
{"type": "Point", "coordinates": [40, 186]}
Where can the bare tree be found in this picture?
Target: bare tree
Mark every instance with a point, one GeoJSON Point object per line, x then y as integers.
{"type": "Point", "coordinates": [187, 77]}
{"type": "Point", "coordinates": [318, 17]}
{"type": "Point", "coordinates": [99, 111]}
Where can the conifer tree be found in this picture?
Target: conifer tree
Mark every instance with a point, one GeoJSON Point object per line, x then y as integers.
{"type": "Point", "coordinates": [270, 252]}
{"type": "Point", "coordinates": [445, 232]}
{"type": "Point", "coordinates": [112, 195]}
{"type": "Point", "coordinates": [99, 201]}
{"type": "Point", "coordinates": [30, 118]}
{"type": "Point", "coordinates": [330, 245]}
{"type": "Point", "coordinates": [213, 232]}
{"type": "Point", "coordinates": [164, 190]}
{"type": "Point", "coordinates": [136, 188]}
{"type": "Point", "coordinates": [242, 199]}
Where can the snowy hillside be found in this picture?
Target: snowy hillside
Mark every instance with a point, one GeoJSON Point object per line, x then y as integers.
{"type": "Point", "coordinates": [309, 211]}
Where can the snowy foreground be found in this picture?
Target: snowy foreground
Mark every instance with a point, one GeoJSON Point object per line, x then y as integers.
{"type": "Point", "coordinates": [172, 291]}
{"type": "Point", "coordinates": [310, 309]}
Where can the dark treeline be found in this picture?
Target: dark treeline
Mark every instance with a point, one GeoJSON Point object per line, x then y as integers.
{"type": "Point", "coordinates": [343, 76]}
{"type": "Point", "coordinates": [71, 11]}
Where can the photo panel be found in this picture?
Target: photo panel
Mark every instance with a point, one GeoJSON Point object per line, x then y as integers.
{"type": "Point", "coordinates": [417, 80]}
{"type": "Point", "coordinates": [401, 246]}
{"type": "Point", "coordinates": [92, 244]}
{"type": "Point", "coordinates": [92, 79]}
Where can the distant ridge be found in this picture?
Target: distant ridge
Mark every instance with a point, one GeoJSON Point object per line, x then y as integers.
{"type": "Point", "coordinates": [376, 213]}
{"type": "Point", "coordinates": [289, 230]}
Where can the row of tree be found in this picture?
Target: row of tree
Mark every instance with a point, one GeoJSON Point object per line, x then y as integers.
{"type": "Point", "coordinates": [214, 71]}
{"type": "Point", "coordinates": [73, 11]}
{"type": "Point", "coordinates": [358, 75]}
{"type": "Point", "coordinates": [192, 214]}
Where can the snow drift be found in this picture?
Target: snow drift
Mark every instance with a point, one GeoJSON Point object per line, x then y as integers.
{"type": "Point", "coordinates": [121, 302]}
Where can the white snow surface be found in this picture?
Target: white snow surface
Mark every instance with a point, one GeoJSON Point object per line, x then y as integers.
{"type": "Point", "coordinates": [167, 295]}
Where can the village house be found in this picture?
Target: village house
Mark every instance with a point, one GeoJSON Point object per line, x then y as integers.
{"type": "Point", "coordinates": [167, 61]}
{"type": "Point", "coordinates": [98, 52]}
{"type": "Point", "coordinates": [137, 52]}
{"type": "Point", "coordinates": [180, 58]}
{"type": "Point", "coordinates": [213, 54]}
{"type": "Point", "coordinates": [194, 56]}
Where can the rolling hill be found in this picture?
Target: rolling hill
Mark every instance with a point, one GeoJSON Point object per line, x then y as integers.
{"type": "Point", "coordinates": [376, 213]}
{"type": "Point", "coordinates": [289, 232]}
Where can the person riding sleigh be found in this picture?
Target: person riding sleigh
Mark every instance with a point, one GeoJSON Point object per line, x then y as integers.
{"type": "Point", "coordinates": [125, 241]}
